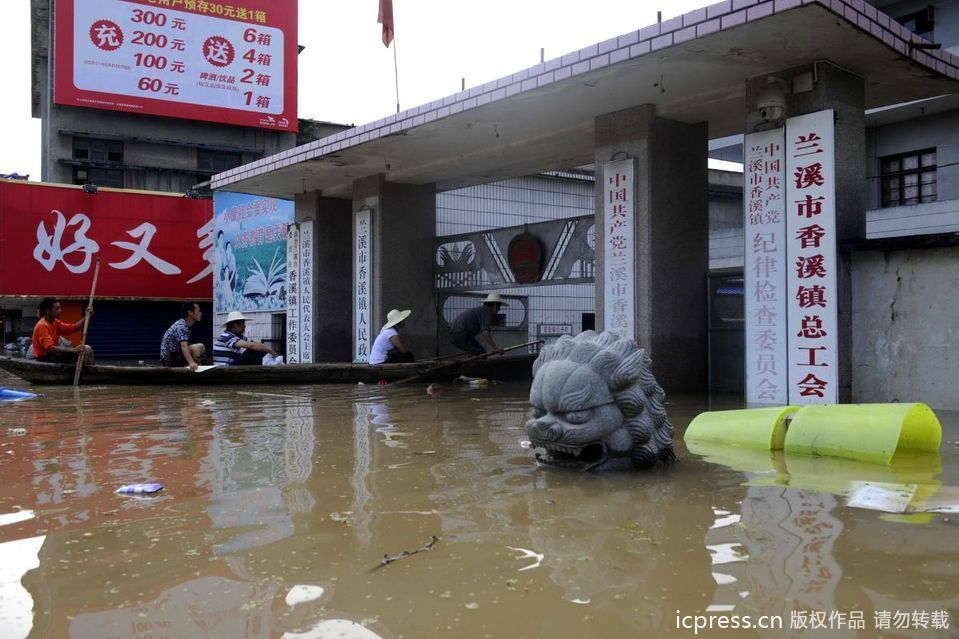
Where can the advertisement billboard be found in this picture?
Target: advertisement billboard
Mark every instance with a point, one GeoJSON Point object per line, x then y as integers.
{"type": "Point", "coordinates": [250, 262]}
{"type": "Point", "coordinates": [151, 246]}
{"type": "Point", "coordinates": [233, 63]}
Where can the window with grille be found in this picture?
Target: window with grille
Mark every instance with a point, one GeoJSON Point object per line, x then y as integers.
{"type": "Point", "coordinates": [217, 161]}
{"type": "Point", "coordinates": [92, 151]}
{"type": "Point", "coordinates": [100, 177]}
{"type": "Point", "coordinates": [909, 178]}
{"type": "Point", "coordinates": [97, 150]}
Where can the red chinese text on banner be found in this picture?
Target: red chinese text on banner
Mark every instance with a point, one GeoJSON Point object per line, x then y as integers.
{"type": "Point", "coordinates": [812, 264]}
{"type": "Point", "coordinates": [151, 246]}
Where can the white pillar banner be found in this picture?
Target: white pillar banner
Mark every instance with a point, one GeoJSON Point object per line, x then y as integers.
{"type": "Point", "coordinates": [764, 221]}
{"type": "Point", "coordinates": [362, 284]}
{"type": "Point", "coordinates": [293, 294]}
{"type": "Point", "coordinates": [811, 234]}
{"type": "Point", "coordinates": [619, 307]}
{"type": "Point", "coordinates": [306, 291]}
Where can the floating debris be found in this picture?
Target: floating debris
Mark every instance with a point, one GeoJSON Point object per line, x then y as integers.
{"type": "Point", "coordinates": [139, 489]}
{"type": "Point", "coordinates": [884, 497]}
{"type": "Point", "coordinates": [528, 554]}
{"type": "Point", "coordinates": [472, 382]}
{"type": "Point", "coordinates": [342, 518]}
{"type": "Point", "coordinates": [406, 553]}
{"type": "Point", "coordinates": [302, 594]}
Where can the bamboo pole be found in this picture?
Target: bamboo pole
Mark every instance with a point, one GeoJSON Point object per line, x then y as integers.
{"type": "Point", "coordinates": [461, 361]}
{"type": "Point", "coordinates": [430, 360]}
{"type": "Point", "coordinates": [86, 327]}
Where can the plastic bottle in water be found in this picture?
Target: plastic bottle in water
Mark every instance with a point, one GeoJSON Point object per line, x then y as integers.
{"type": "Point", "coordinates": [139, 489]}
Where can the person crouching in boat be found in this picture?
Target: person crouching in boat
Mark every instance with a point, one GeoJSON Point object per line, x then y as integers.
{"type": "Point", "coordinates": [232, 348]}
{"type": "Point", "coordinates": [47, 332]}
{"type": "Point", "coordinates": [175, 347]}
{"type": "Point", "coordinates": [388, 347]}
{"type": "Point", "coordinates": [470, 325]}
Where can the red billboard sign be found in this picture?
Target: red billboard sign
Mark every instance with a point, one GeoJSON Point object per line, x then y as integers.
{"type": "Point", "coordinates": [151, 246]}
{"type": "Point", "coordinates": [231, 62]}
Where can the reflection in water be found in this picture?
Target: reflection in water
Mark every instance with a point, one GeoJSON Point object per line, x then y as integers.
{"type": "Point", "coordinates": [17, 557]}
{"type": "Point", "coordinates": [362, 462]}
{"type": "Point", "coordinates": [334, 629]}
{"type": "Point", "coordinates": [196, 609]}
{"type": "Point", "coordinates": [789, 530]}
{"type": "Point", "coordinates": [279, 506]}
{"type": "Point", "coordinates": [777, 556]}
{"type": "Point", "coordinates": [258, 472]}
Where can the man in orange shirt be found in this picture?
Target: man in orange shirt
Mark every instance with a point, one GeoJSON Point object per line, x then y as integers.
{"type": "Point", "coordinates": [47, 332]}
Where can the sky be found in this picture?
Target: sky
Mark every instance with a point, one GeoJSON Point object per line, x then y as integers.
{"type": "Point", "coordinates": [345, 72]}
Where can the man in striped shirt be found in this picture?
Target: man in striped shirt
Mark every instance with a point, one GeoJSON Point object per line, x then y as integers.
{"type": "Point", "coordinates": [232, 348]}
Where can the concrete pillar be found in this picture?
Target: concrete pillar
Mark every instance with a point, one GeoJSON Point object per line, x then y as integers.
{"type": "Point", "coordinates": [404, 224]}
{"type": "Point", "coordinates": [332, 281]}
{"type": "Point", "coordinates": [827, 86]}
{"type": "Point", "coordinates": [671, 238]}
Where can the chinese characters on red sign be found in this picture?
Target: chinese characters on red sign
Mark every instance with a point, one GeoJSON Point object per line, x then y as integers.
{"type": "Point", "coordinates": [151, 246]}
{"type": "Point", "coordinates": [812, 266]}
{"type": "Point", "coordinates": [181, 58]}
{"type": "Point", "coordinates": [362, 249]}
{"type": "Point", "coordinates": [765, 267]}
{"type": "Point", "coordinates": [618, 247]}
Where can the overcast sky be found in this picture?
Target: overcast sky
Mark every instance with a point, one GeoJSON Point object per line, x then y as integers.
{"type": "Point", "coordinates": [345, 72]}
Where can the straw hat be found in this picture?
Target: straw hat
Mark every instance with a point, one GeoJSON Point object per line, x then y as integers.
{"type": "Point", "coordinates": [235, 316]}
{"type": "Point", "coordinates": [394, 317]}
{"type": "Point", "coordinates": [494, 298]}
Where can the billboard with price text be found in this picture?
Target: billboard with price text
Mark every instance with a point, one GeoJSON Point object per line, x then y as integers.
{"type": "Point", "coordinates": [231, 62]}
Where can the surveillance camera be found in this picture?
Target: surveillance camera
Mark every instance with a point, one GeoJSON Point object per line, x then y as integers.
{"type": "Point", "coordinates": [771, 101]}
{"type": "Point", "coordinates": [771, 113]}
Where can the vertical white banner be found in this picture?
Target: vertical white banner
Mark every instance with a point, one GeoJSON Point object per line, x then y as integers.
{"type": "Point", "coordinates": [306, 291]}
{"type": "Point", "coordinates": [293, 294]}
{"type": "Point", "coordinates": [813, 261]}
{"type": "Point", "coordinates": [764, 223]}
{"type": "Point", "coordinates": [362, 284]}
{"type": "Point", "coordinates": [619, 309]}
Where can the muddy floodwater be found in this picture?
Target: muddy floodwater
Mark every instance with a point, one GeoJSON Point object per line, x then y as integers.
{"type": "Point", "coordinates": [280, 503]}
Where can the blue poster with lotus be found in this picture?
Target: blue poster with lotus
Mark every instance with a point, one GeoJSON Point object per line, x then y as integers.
{"type": "Point", "coordinates": [250, 252]}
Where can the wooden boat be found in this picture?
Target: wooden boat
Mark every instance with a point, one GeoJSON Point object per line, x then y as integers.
{"type": "Point", "coordinates": [505, 367]}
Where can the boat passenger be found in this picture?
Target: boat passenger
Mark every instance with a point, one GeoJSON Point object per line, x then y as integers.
{"type": "Point", "coordinates": [476, 322]}
{"type": "Point", "coordinates": [175, 347]}
{"type": "Point", "coordinates": [232, 348]}
{"type": "Point", "coordinates": [388, 347]}
{"type": "Point", "coordinates": [47, 332]}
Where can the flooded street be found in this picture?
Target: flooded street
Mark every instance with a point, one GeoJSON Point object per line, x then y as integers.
{"type": "Point", "coordinates": [280, 504]}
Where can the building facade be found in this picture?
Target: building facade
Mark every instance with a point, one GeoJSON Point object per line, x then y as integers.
{"type": "Point", "coordinates": [131, 150]}
{"type": "Point", "coordinates": [873, 67]}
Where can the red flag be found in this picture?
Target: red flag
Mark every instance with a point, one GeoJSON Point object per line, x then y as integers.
{"type": "Point", "coordinates": [386, 19]}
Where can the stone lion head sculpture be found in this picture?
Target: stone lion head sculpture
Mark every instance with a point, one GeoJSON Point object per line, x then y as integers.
{"type": "Point", "coordinates": [597, 406]}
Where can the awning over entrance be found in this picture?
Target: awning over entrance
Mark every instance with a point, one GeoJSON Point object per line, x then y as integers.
{"type": "Point", "coordinates": [693, 68]}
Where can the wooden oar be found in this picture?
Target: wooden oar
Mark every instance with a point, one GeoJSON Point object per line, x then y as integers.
{"type": "Point", "coordinates": [461, 361]}
{"type": "Point", "coordinates": [86, 327]}
{"type": "Point", "coordinates": [438, 359]}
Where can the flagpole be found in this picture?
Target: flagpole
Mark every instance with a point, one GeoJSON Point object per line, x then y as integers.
{"type": "Point", "coordinates": [396, 76]}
